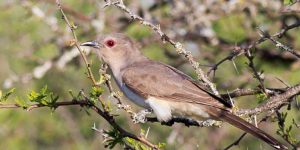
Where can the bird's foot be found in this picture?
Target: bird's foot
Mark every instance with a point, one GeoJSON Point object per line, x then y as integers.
{"type": "Point", "coordinates": [140, 117]}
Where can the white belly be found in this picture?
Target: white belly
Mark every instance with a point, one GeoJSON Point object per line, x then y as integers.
{"type": "Point", "coordinates": [164, 109]}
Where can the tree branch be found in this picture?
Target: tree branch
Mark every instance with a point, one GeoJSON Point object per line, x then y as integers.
{"type": "Point", "coordinates": [273, 103]}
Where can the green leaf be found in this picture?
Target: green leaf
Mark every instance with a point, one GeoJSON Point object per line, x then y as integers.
{"type": "Point", "coordinates": [261, 97]}
{"type": "Point", "coordinates": [6, 95]}
{"type": "Point", "coordinates": [136, 144]}
{"type": "Point", "coordinates": [37, 97]}
{"type": "Point", "coordinates": [115, 138]}
{"type": "Point", "coordinates": [142, 132]}
{"type": "Point", "coordinates": [43, 97]}
{"type": "Point", "coordinates": [96, 92]}
{"type": "Point", "coordinates": [44, 90]}
{"type": "Point", "coordinates": [22, 103]}
{"type": "Point", "coordinates": [288, 2]}
{"type": "Point", "coordinates": [32, 96]}
{"type": "Point", "coordinates": [161, 145]}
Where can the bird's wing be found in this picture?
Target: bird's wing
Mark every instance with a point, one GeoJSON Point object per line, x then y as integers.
{"type": "Point", "coordinates": [153, 79]}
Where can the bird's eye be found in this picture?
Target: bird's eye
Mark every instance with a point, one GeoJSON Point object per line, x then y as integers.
{"type": "Point", "coordinates": [110, 43]}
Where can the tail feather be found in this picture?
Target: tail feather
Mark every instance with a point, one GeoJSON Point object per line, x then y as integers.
{"type": "Point", "coordinates": [249, 128]}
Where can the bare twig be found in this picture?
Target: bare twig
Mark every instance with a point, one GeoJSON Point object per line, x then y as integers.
{"type": "Point", "coordinates": [247, 92]}
{"type": "Point", "coordinates": [264, 36]}
{"type": "Point", "coordinates": [236, 142]}
{"type": "Point", "coordinates": [279, 44]}
{"type": "Point", "coordinates": [286, 28]}
{"type": "Point", "coordinates": [257, 75]}
{"type": "Point", "coordinates": [187, 122]}
{"type": "Point", "coordinates": [236, 52]}
{"type": "Point", "coordinates": [73, 28]}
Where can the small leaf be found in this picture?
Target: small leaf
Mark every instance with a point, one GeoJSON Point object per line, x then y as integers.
{"type": "Point", "coordinates": [6, 95]}
{"type": "Point", "coordinates": [40, 97]}
{"type": "Point", "coordinates": [142, 132]}
{"type": "Point", "coordinates": [288, 2]}
{"type": "Point", "coordinates": [32, 96]}
{"type": "Point", "coordinates": [261, 97]}
{"type": "Point", "coordinates": [44, 89]}
{"type": "Point", "coordinates": [102, 79]}
{"type": "Point", "coordinates": [72, 95]}
{"type": "Point", "coordinates": [96, 91]}
{"type": "Point", "coordinates": [22, 103]}
{"type": "Point", "coordinates": [115, 138]}
{"type": "Point", "coordinates": [161, 145]}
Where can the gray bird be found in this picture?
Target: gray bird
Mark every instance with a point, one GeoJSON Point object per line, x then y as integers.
{"type": "Point", "coordinates": [164, 89]}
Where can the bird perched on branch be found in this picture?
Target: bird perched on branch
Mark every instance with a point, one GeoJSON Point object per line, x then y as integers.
{"type": "Point", "coordinates": [164, 89]}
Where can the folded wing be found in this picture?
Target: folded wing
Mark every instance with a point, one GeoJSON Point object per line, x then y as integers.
{"type": "Point", "coordinates": [159, 80]}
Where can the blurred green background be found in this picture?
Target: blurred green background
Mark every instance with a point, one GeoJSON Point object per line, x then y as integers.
{"type": "Point", "coordinates": [35, 51]}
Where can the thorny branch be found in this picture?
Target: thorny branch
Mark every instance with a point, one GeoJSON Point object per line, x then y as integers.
{"type": "Point", "coordinates": [256, 73]}
{"type": "Point", "coordinates": [236, 52]}
{"type": "Point", "coordinates": [247, 92]}
{"type": "Point", "coordinates": [264, 36]}
{"type": "Point", "coordinates": [273, 103]}
{"type": "Point", "coordinates": [287, 28]}
{"type": "Point", "coordinates": [278, 44]}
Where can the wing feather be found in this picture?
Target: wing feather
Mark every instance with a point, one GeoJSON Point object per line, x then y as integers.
{"type": "Point", "coordinates": [159, 80]}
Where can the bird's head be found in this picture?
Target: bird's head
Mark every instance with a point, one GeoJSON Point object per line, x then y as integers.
{"type": "Point", "coordinates": [114, 48]}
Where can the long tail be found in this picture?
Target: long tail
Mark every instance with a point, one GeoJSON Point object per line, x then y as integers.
{"type": "Point", "coordinates": [249, 128]}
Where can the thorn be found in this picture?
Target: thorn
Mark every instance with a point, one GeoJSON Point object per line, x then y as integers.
{"type": "Point", "coordinates": [231, 101]}
{"type": "Point", "coordinates": [147, 132]}
{"type": "Point", "coordinates": [234, 65]}
{"type": "Point", "coordinates": [255, 120]}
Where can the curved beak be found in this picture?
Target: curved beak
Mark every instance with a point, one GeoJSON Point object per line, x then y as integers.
{"type": "Point", "coordinates": [93, 44]}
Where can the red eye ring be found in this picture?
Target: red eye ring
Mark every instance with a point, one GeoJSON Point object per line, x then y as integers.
{"type": "Point", "coordinates": [110, 43]}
